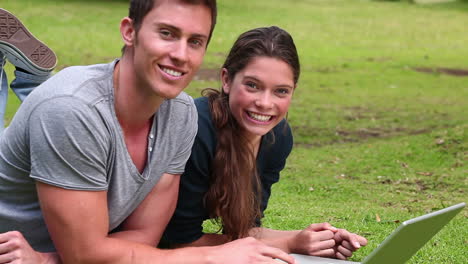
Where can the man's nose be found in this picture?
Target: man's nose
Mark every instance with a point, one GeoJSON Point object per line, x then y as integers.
{"type": "Point", "coordinates": [179, 52]}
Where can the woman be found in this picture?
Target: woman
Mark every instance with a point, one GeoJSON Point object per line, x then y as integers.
{"type": "Point", "coordinates": [242, 144]}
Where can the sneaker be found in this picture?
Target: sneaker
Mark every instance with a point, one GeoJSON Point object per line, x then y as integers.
{"type": "Point", "coordinates": [22, 49]}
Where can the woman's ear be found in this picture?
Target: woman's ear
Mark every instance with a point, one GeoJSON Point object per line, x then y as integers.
{"type": "Point", "coordinates": [225, 80]}
{"type": "Point", "coordinates": [127, 31]}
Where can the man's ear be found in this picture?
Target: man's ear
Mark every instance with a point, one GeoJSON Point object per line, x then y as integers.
{"type": "Point", "coordinates": [127, 31]}
{"type": "Point", "coordinates": [225, 81]}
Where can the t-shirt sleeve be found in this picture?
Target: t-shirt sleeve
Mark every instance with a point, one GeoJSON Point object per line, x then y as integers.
{"type": "Point", "coordinates": [186, 130]}
{"type": "Point", "coordinates": [67, 150]}
{"type": "Point", "coordinates": [275, 161]}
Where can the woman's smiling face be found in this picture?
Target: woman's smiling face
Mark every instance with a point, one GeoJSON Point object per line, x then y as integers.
{"type": "Point", "coordinates": [260, 94]}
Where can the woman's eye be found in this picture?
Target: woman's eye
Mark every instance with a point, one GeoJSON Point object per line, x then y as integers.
{"type": "Point", "coordinates": [251, 85]}
{"type": "Point", "coordinates": [282, 91]}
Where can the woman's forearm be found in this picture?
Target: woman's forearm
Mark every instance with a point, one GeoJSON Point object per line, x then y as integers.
{"type": "Point", "coordinates": [276, 238]}
{"type": "Point", "coordinates": [267, 233]}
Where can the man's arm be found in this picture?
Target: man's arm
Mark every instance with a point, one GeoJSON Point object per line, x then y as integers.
{"type": "Point", "coordinates": [205, 240]}
{"type": "Point", "coordinates": [78, 223]}
{"type": "Point", "coordinates": [147, 223]}
{"type": "Point", "coordinates": [144, 225]}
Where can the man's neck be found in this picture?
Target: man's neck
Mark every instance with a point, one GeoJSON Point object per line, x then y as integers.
{"type": "Point", "coordinates": [133, 109]}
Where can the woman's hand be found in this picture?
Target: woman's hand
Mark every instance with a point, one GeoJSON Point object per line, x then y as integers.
{"type": "Point", "coordinates": [315, 240]}
{"type": "Point", "coordinates": [347, 243]}
{"type": "Point", "coordinates": [14, 249]}
{"type": "Point", "coordinates": [324, 240]}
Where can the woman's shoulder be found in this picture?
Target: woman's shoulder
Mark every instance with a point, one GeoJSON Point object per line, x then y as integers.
{"type": "Point", "coordinates": [277, 144]}
{"type": "Point", "coordinates": [202, 104]}
{"type": "Point", "coordinates": [282, 134]}
{"type": "Point", "coordinates": [205, 122]}
{"type": "Point", "coordinates": [206, 134]}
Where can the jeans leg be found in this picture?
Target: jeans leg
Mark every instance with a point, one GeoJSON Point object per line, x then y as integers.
{"type": "Point", "coordinates": [3, 93]}
{"type": "Point", "coordinates": [25, 83]}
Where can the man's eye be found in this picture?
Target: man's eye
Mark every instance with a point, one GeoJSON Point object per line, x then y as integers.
{"type": "Point", "coordinates": [196, 42]}
{"type": "Point", "coordinates": [165, 33]}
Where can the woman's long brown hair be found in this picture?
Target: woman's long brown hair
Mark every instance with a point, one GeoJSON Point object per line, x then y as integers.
{"type": "Point", "coordinates": [234, 195]}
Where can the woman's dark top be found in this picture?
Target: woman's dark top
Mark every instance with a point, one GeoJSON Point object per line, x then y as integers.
{"type": "Point", "coordinates": [186, 224]}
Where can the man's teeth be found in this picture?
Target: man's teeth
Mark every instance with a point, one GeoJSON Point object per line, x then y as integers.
{"type": "Point", "coordinates": [172, 72]}
{"type": "Point", "coordinates": [258, 117]}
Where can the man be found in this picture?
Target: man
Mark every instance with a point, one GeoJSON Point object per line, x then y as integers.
{"type": "Point", "coordinates": [90, 164]}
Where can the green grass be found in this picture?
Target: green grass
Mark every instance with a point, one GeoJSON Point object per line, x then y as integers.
{"type": "Point", "coordinates": [372, 135]}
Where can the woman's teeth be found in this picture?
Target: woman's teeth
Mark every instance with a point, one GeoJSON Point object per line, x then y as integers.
{"type": "Point", "coordinates": [262, 118]}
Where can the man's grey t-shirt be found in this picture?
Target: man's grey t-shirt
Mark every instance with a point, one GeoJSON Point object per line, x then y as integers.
{"type": "Point", "coordinates": [66, 134]}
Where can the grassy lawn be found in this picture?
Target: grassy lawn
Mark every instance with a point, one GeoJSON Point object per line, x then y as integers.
{"type": "Point", "coordinates": [380, 116]}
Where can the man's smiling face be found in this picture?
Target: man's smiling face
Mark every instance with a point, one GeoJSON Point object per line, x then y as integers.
{"type": "Point", "coordinates": [169, 46]}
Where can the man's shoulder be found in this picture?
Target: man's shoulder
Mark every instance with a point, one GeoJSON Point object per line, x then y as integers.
{"type": "Point", "coordinates": [184, 98]}
{"type": "Point", "coordinates": [85, 83]}
{"type": "Point", "coordinates": [183, 104]}
{"type": "Point", "coordinates": [179, 113]}
{"type": "Point", "coordinates": [83, 72]}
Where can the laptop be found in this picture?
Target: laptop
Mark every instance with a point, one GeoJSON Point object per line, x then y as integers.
{"type": "Point", "coordinates": [402, 243]}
